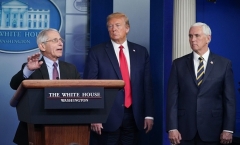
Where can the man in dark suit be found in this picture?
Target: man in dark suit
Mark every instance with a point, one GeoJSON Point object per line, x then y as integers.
{"type": "Point", "coordinates": [50, 44]}
{"type": "Point", "coordinates": [201, 100]}
{"type": "Point", "coordinates": [105, 62]}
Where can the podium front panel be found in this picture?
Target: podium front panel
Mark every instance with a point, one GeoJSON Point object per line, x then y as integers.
{"type": "Point", "coordinates": [31, 110]}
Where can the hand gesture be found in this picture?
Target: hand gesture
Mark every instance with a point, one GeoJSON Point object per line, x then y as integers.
{"type": "Point", "coordinates": [33, 62]}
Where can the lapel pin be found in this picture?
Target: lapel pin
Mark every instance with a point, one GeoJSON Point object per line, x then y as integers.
{"type": "Point", "coordinates": [133, 50]}
{"type": "Point", "coordinates": [211, 62]}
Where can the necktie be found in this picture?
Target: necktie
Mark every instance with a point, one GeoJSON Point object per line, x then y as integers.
{"type": "Point", "coordinates": [55, 71]}
{"type": "Point", "coordinates": [200, 71]}
{"type": "Point", "coordinates": [126, 78]}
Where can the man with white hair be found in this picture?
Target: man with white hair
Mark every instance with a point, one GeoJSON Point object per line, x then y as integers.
{"type": "Point", "coordinates": [201, 95]}
{"type": "Point", "coordinates": [48, 67]}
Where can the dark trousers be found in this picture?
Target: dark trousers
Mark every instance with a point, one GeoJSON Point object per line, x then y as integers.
{"type": "Point", "coordinates": [198, 141]}
{"type": "Point", "coordinates": [126, 134]}
{"type": "Point", "coordinates": [21, 135]}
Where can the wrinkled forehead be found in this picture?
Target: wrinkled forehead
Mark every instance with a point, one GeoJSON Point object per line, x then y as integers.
{"type": "Point", "coordinates": [196, 30]}
{"type": "Point", "coordinates": [53, 34]}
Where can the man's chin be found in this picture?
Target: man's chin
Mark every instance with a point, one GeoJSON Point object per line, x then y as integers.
{"type": "Point", "coordinates": [59, 56]}
{"type": "Point", "coordinates": [194, 48]}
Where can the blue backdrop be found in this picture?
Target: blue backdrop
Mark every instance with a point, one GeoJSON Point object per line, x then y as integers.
{"type": "Point", "coordinates": [223, 17]}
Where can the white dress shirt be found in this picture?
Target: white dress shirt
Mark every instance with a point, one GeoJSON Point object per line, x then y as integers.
{"type": "Point", "coordinates": [125, 51]}
{"type": "Point", "coordinates": [196, 60]}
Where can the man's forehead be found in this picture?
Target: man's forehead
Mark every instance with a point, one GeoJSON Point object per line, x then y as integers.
{"type": "Point", "coordinates": [196, 30]}
{"type": "Point", "coordinates": [53, 34]}
{"type": "Point", "coordinates": [116, 20]}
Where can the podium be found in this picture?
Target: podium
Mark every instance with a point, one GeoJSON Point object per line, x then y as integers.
{"type": "Point", "coordinates": [61, 126]}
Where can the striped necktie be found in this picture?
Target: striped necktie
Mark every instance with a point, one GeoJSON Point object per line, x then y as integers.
{"type": "Point", "coordinates": [200, 71]}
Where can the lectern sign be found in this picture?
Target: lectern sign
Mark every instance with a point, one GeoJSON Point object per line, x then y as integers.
{"type": "Point", "coordinates": [74, 98]}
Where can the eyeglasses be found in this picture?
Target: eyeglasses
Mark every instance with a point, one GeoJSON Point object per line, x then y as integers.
{"type": "Point", "coordinates": [55, 40]}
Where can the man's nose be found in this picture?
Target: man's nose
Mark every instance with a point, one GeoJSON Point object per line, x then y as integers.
{"type": "Point", "coordinates": [193, 38]}
{"type": "Point", "coordinates": [60, 43]}
{"type": "Point", "coordinates": [114, 27]}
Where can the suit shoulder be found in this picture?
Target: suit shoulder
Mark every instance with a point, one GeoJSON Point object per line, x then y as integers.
{"type": "Point", "coordinates": [183, 58]}
{"type": "Point", "coordinates": [138, 48]}
{"type": "Point", "coordinates": [100, 46]}
{"type": "Point", "coordinates": [136, 45]}
{"type": "Point", "coordinates": [219, 57]}
{"type": "Point", "coordinates": [66, 64]}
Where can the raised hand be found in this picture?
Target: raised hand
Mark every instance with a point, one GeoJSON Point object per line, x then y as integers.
{"type": "Point", "coordinates": [33, 62]}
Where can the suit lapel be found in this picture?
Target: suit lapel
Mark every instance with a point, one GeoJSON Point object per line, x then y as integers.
{"type": "Point", "coordinates": [44, 71]}
{"type": "Point", "coordinates": [113, 59]}
{"type": "Point", "coordinates": [209, 67]}
{"type": "Point", "coordinates": [133, 59]}
{"type": "Point", "coordinates": [190, 65]}
{"type": "Point", "coordinates": [63, 70]}
{"type": "Point", "coordinates": [208, 70]}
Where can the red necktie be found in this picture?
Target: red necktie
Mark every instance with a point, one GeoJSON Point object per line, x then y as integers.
{"type": "Point", "coordinates": [126, 78]}
{"type": "Point", "coordinates": [55, 71]}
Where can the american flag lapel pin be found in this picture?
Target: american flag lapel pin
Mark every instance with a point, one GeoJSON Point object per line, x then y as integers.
{"type": "Point", "coordinates": [211, 62]}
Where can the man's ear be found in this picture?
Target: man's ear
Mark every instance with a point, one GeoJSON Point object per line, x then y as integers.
{"type": "Point", "coordinates": [209, 39]}
{"type": "Point", "coordinates": [127, 29]}
{"type": "Point", "coordinates": [42, 46]}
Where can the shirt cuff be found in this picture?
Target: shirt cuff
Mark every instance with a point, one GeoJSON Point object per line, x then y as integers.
{"type": "Point", "coordinates": [228, 131]}
{"type": "Point", "coordinates": [148, 117]}
{"type": "Point", "coordinates": [26, 72]}
{"type": "Point", "coordinates": [172, 130]}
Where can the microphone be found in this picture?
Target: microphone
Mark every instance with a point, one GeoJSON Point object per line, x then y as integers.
{"type": "Point", "coordinates": [57, 78]}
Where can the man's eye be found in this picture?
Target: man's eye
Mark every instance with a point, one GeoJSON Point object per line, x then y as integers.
{"type": "Point", "coordinates": [55, 40]}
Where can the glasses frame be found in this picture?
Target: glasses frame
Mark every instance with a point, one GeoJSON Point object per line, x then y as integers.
{"type": "Point", "coordinates": [54, 40]}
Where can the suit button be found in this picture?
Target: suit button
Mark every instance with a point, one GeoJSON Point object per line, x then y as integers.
{"type": "Point", "coordinates": [122, 105]}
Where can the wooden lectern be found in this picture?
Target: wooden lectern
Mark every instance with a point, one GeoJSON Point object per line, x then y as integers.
{"type": "Point", "coordinates": [60, 126]}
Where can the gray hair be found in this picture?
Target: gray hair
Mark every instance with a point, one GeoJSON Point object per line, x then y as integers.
{"type": "Point", "coordinates": [42, 36]}
{"type": "Point", "coordinates": [205, 27]}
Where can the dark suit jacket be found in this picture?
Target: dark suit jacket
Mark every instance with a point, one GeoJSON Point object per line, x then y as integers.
{"type": "Point", "coordinates": [67, 71]}
{"type": "Point", "coordinates": [102, 63]}
{"type": "Point", "coordinates": [208, 109]}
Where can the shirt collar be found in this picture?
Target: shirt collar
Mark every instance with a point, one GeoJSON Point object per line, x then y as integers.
{"type": "Point", "coordinates": [49, 62]}
{"type": "Point", "coordinates": [115, 45]}
{"type": "Point", "coordinates": [205, 55]}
